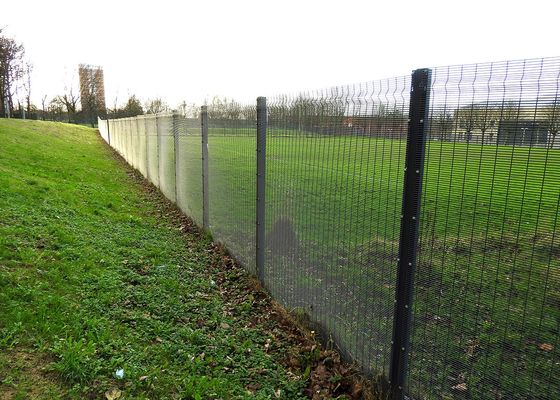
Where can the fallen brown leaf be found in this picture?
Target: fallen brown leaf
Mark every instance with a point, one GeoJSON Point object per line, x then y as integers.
{"type": "Point", "coordinates": [546, 347]}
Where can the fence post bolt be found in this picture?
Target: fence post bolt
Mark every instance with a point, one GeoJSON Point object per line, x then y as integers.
{"type": "Point", "coordinates": [414, 167]}
{"type": "Point", "coordinates": [261, 174]}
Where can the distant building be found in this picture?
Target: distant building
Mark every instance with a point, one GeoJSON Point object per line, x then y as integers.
{"type": "Point", "coordinates": [523, 133]}
{"type": "Point", "coordinates": [92, 91]}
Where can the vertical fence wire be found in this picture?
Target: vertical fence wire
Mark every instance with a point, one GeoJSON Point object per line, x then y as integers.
{"type": "Point", "coordinates": [232, 130]}
{"type": "Point", "coordinates": [486, 307]}
{"type": "Point", "coordinates": [189, 166]}
{"type": "Point", "coordinates": [152, 150]}
{"type": "Point", "coordinates": [333, 157]}
{"type": "Point", "coordinates": [166, 155]}
{"type": "Point", "coordinates": [486, 317]}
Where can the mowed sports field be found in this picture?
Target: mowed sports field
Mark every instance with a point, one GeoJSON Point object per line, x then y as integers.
{"type": "Point", "coordinates": [487, 295]}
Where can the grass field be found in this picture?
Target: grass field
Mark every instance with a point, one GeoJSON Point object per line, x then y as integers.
{"type": "Point", "coordinates": [487, 299]}
{"type": "Point", "coordinates": [96, 277]}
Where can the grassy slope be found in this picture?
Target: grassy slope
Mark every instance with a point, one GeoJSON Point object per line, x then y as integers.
{"type": "Point", "coordinates": [93, 278]}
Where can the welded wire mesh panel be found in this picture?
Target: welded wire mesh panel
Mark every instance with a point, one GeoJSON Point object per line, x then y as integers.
{"type": "Point", "coordinates": [113, 134]}
{"type": "Point", "coordinates": [166, 155]}
{"type": "Point", "coordinates": [232, 178]}
{"type": "Point", "coordinates": [125, 139]}
{"type": "Point", "coordinates": [121, 137]}
{"type": "Point", "coordinates": [334, 174]}
{"type": "Point", "coordinates": [131, 127]}
{"type": "Point", "coordinates": [118, 136]}
{"type": "Point", "coordinates": [189, 167]}
{"type": "Point", "coordinates": [152, 149]}
{"type": "Point", "coordinates": [135, 142]}
{"type": "Point", "coordinates": [127, 150]}
{"type": "Point", "coordinates": [487, 294]}
{"type": "Point", "coordinates": [141, 138]}
{"type": "Point", "coordinates": [102, 127]}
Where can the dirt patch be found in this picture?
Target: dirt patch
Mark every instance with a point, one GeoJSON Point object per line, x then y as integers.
{"type": "Point", "coordinates": [25, 372]}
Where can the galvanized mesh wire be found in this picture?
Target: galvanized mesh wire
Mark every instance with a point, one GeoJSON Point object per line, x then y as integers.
{"type": "Point", "coordinates": [135, 143]}
{"type": "Point", "coordinates": [334, 188]}
{"type": "Point", "coordinates": [189, 167]}
{"type": "Point", "coordinates": [152, 149]}
{"type": "Point", "coordinates": [486, 309]}
{"type": "Point", "coordinates": [232, 178]}
{"type": "Point", "coordinates": [141, 157]}
{"type": "Point", "coordinates": [486, 319]}
{"type": "Point", "coordinates": [103, 127]}
{"type": "Point", "coordinates": [166, 155]}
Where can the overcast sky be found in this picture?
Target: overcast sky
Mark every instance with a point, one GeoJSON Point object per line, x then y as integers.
{"type": "Point", "coordinates": [191, 50]}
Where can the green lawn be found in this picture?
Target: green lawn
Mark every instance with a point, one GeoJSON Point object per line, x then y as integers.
{"type": "Point", "coordinates": [96, 277]}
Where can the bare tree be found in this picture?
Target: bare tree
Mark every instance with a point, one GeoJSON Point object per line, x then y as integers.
{"type": "Point", "coordinates": [56, 108]}
{"type": "Point", "coordinates": [482, 117]}
{"type": "Point", "coordinates": [27, 69]}
{"type": "Point", "coordinates": [466, 120]}
{"type": "Point", "coordinates": [155, 106]}
{"type": "Point", "coordinates": [551, 116]}
{"type": "Point", "coordinates": [189, 110]}
{"type": "Point", "coordinates": [485, 118]}
{"type": "Point", "coordinates": [70, 101]}
{"type": "Point", "coordinates": [11, 72]}
{"type": "Point", "coordinates": [442, 125]}
{"type": "Point", "coordinates": [43, 106]}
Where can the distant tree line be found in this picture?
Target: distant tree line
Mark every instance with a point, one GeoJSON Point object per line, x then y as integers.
{"type": "Point", "coordinates": [486, 120]}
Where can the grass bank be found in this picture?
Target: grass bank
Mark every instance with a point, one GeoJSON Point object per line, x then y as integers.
{"type": "Point", "coordinates": [98, 276]}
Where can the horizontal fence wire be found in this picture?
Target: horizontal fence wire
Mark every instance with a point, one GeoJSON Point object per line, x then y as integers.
{"type": "Point", "coordinates": [166, 155]}
{"type": "Point", "coordinates": [333, 196]}
{"type": "Point", "coordinates": [189, 166]}
{"type": "Point", "coordinates": [232, 139]}
{"type": "Point", "coordinates": [486, 309]}
{"type": "Point", "coordinates": [487, 304]}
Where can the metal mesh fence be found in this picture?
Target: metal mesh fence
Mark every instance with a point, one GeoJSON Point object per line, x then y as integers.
{"type": "Point", "coordinates": [334, 188]}
{"type": "Point", "coordinates": [189, 167]}
{"type": "Point", "coordinates": [142, 160]}
{"type": "Point", "coordinates": [232, 179]}
{"type": "Point", "coordinates": [152, 150]}
{"type": "Point", "coordinates": [486, 310]}
{"type": "Point", "coordinates": [481, 299]}
{"type": "Point", "coordinates": [166, 155]}
{"type": "Point", "coordinates": [103, 127]}
{"type": "Point", "coordinates": [135, 143]}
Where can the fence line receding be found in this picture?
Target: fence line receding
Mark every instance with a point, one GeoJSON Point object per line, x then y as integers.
{"type": "Point", "coordinates": [480, 298]}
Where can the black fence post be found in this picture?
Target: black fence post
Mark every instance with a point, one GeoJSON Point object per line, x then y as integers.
{"type": "Point", "coordinates": [205, 202]}
{"type": "Point", "coordinates": [261, 174]}
{"type": "Point", "coordinates": [414, 166]}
